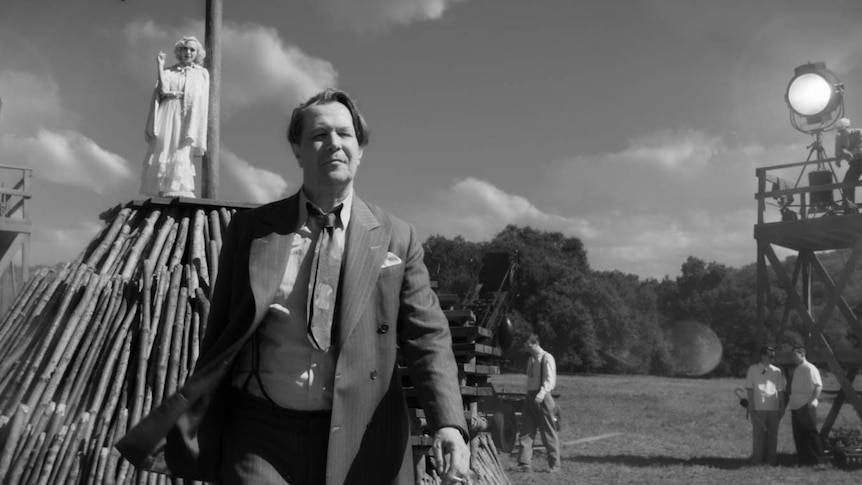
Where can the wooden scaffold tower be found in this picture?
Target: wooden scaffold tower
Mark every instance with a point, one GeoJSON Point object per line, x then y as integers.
{"type": "Point", "coordinates": [817, 223]}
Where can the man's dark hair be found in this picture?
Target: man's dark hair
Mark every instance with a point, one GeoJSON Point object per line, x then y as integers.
{"type": "Point", "coordinates": [767, 349]}
{"type": "Point", "coordinates": [799, 349]}
{"type": "Point", "coordinates": [533, 339]}
{"type": "Point", "coordinates": [329, 95]}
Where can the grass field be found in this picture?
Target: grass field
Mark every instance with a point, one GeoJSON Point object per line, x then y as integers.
{"type": "Point", "coordinates": [690, 431]}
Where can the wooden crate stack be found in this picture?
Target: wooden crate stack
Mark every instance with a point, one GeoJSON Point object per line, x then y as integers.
{"type": "Point", "coordinates": [477, 359]}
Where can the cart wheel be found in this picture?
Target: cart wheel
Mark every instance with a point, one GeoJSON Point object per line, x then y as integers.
{"type": "Point", "coordinates": [504, 428]}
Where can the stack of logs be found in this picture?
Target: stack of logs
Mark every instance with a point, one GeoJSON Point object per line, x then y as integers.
{"type": "Point", "coordinates": [88, 349]}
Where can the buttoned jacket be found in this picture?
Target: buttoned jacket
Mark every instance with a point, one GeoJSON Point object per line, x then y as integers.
{"type": "Point", "coordinates": [378, 309]}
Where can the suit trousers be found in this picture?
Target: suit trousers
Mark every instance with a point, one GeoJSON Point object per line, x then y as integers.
{"type": "Point", "coordinates": [764, 437]}
{"type": "Point", "coordinates": [854, 171]}
{"type": "Point", "coordinates": [538, 417]}
{"type": "Point", "coordinates": [809, 450]}
{"type": "Point", "coordinates": [264, 444]}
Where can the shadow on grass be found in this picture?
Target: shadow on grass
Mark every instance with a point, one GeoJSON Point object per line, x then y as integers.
{"type": "Point", "coordinates": [787, 460]}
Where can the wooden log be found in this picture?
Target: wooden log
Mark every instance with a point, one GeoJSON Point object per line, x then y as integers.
{"type": "Point", "coordinates": [116, 245]}
{"type": "Point", "coordinates": [122, 254]}
{"type": "Point", "coordinates": [65, 446]}
{"type": "Point", "coordinates": [183, 364]}
{"type": "Point", "coordinates": [144, 236]}
{"type": "Point", "coordinates": [70, 466]}
{"type": "Point", "coordinates": [215, 230]}
{"type": "Point", "coordinates": [199, 246]}
{"type": "Point", "coordinates": [143, 345]}
{"type": "Point", "coordinates": [164, 229]}
{"type": "Point", "coordinates": [108, 238]}
{"type": "Point", "coordinates": [213, 264]}
{"type": "Point", "coordinates": [46, 345]}
{"type": "Point", "coordinates": [224, 217]}
{"type": "Point", "coordinates": [71, 336]}
{"type": "Point", "coordinates": [22, 473]}
{"type": "Point", "coordinates": [90, 349]}
{"type": "Point", "coordinates": [51, 457]}
{"type": "Point", "coordinates": [119, 430]}
{"type": "Point", "coordinates": [194, 342]}
{"type": "Point", "coordinates": [121, 340]}
{"type": "Point", "coordinates": [165, 334]}
{"type": "Point", "coordinates": [180, 245]}
{"type": "Point", "coordinates": [14, 434]}
{"type": "Point", "coordinates": [83, 392]}
{"type": "Point", "coordinates": [167, 249]}
{"type": "Point", "coordinates": [117, 386]}
{"type": "Point", "coordinates": [203, 305]}
{"type": "Point", "coordinates": [176, 343]}
{"type": "Point", "coordinates": [65, 355]}
{"type": "Point", "coordinates": [11, 324]}
{"type": "Point", "coordinates": [38, 425]}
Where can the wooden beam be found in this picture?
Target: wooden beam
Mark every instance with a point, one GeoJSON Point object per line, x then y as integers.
{"type": "Point", "coordinates": [805, 315]}
{"type": "Point", "coordinates": [210, 166]}
{"type": "Point", "coordinates": [837, 291]}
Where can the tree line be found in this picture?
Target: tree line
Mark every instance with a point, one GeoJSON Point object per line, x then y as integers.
{"type": "Point", "coordinates": [613, 322]}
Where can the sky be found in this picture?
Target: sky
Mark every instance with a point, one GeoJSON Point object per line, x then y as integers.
{"type": "Point", "coordinates": [634, 125]}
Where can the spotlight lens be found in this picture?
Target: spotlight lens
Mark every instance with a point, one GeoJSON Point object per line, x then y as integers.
{"type": "Point", "coordinates": [809, 94]}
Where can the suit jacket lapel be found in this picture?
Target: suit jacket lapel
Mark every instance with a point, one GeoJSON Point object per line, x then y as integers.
{"type": "Point", "coordinates": [268, 254]}
{"type": "Point", "coordinates": [365, 249]}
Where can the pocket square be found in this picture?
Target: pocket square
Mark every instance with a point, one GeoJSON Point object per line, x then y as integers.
{"type": "Point", "coordinates": [391, 260]}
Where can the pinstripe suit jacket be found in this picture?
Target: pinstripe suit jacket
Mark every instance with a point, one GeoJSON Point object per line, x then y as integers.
{"type": "Point", "coordinates": [378, 309]}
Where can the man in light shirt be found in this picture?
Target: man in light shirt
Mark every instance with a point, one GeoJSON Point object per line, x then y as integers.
{"type": "Point", "coordinates": [538, 412]}
{"type": "Point", "coordinates": [804, 391]}
{"type": "Point", "coordinates": [766, 401]}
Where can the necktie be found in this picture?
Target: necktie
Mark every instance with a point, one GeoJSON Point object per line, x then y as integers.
{"type": "Point", "coordinates": [323, 279]}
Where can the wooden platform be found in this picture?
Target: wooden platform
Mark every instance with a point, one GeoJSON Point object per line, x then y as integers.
{"type": "Point", "coordinates": [808, 220]}
{"type": "Point", "coordinates": [824, 233]}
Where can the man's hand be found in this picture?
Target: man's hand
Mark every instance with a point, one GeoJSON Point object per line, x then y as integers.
{"type": "Point", "coordinates": [451, 455]}
{"type": "Point", "coordinates": [539, 398]}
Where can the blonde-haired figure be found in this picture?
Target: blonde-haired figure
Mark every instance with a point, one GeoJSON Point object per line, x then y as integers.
{"type": "Point", "coordinates": [176, 130]}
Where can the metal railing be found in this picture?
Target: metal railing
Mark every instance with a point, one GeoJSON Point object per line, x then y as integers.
{"type": "Point", "coordinates": [795, 198]}
{"type": "Point", "coordinates": [15, 192]}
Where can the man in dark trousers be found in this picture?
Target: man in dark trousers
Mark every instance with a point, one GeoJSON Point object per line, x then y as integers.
{"type": "Point", "coordinates": [538, 412]}
{"type": "Point", "coordinates": [848, 146]}
{"type": "Point", "coordinates": [804, 391]}
{"type": "Point", "coordinates": [297, 380]}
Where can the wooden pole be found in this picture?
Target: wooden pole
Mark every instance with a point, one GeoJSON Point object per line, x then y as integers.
{"type": "Point", "coordinates": [210, 168]}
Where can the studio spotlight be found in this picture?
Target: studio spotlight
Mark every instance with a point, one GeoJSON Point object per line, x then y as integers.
{"type": "Point", "coordinates": [815, 96]}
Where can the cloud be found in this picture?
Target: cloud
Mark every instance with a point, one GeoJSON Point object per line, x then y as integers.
{"type": "Point", "coordinates": [377, 15]}
{"type": "Point", "coordinates": [55, 243]}
{"type": "Point", "coordinates": [29, 102]}
{"type": "Point", "coordinates": [643, 210]}
{"type": "Point", "coordinates": [257, 66]}
{"type": "Point", "coordinates": [477, 210]}
{"type": "Point", "coordinates": [253, 184]}
{"type": "Point", "coordinates": [666, 196]}
{"type": "Point", "coordinates": [68, 158]}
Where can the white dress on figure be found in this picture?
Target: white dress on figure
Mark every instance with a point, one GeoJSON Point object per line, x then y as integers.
{"type": "Point", "coordinates": [180, 128]}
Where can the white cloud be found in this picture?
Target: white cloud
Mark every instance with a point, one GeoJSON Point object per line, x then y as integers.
{"type": "Point", "coordinates": [642, 210]}
{"type": "Point", "coordinates": [254, 184]}
{"type": "Point", "coordinates": [257, 66]}
{"type": "Point", "coordinates": [69, 158]}
{"type": "Point", "coordinates": [477, 210]}
{"type": "Point", "coordinates": [376, 15]}
{"type": "Point", "coordinates": [29, 102]}
{"type": "Point", "coordinates": [52, 244]}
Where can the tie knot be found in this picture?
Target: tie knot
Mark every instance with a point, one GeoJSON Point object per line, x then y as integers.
{"type": "Point", "coordinates": [326, 220]}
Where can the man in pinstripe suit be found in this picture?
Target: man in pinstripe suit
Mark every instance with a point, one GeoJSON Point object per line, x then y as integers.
{"type": "Point", "coordinates": [278, 397]}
